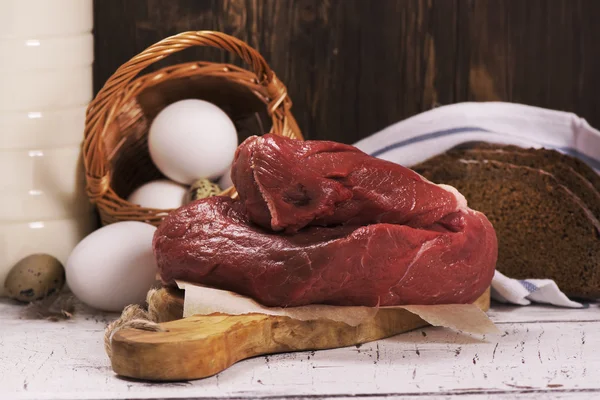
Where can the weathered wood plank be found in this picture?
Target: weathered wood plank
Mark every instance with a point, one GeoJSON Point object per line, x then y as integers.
{"type": "Point", "coordinates": [521, 394]}
{"type": "Point", "coordinates": [353, 67]}
{"type": "Point", "coordinates": [40, 359]}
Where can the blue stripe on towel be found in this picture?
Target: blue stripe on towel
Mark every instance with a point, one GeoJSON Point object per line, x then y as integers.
{"type": "Point", "coordinates": [427, 136]}
{"type": "Point", "coordinates": [592, 162]}
{"type": "Point", "coordinates": [529, 286]}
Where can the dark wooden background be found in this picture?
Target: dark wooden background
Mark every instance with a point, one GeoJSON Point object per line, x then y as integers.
{"type": "Point", "coordinates": [353, 67]}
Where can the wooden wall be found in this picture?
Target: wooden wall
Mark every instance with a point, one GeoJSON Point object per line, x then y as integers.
{"type": "Point", "coordinates": [353, 67]}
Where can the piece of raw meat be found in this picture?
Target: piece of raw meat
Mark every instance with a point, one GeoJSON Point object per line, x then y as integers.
{"type": "Point", "coordinates": [351, 230]}
{"type": "Point", "coordinates": [213, 243]}
{"type": "Point", "coordinates": [288, 184]}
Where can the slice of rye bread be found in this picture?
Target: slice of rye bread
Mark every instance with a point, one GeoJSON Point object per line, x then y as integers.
{"type": "Point", "coordinates": [543, 229]}
{"type": "Point", "coordinates": [551, 157]}
{"type": "Point", "coordinates": [564, 174]}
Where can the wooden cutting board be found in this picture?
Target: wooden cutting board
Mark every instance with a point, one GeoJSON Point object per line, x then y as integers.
{"type": "Point", "coordinates": [201, 346]}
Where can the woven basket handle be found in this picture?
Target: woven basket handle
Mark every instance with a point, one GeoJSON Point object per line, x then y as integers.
{"type": "Point", "coordinates": [103, 107]}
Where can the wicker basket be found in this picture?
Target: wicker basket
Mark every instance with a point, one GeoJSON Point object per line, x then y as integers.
{"type": "Point", "coordinates": [115, 150]}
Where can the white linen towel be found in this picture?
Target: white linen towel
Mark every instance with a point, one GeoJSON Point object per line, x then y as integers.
{"type": "Point", "coordinates": [427, 134]}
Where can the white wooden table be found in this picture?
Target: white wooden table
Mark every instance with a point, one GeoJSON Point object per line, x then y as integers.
{"type": "Point", "coordinates": [543, 352]}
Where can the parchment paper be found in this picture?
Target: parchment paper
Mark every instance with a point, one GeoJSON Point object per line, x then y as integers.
{"type": "Point", "coordinates": [200, 300]}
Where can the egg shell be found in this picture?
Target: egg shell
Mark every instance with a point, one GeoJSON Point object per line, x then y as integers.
{"type": "Point", "coordinates": [225, 181]}
{"type": "Point", "coordinates": [192, 139]}
{"type": "Point", "coordinates": [113, 266]}
{"type": "Point", "coordinates": [161, 194]}
{"type": "Point", "coordinates": [35, 277]}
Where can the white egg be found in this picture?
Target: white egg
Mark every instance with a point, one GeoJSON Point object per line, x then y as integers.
{"type": "Point", "coordinates": [113, 266]}
{"type": "Point", "coordinates": [225, 181]}
{"type": "Point", "coordinates": [162, 194]}
{"type": "Point", "coordinates": [192, 139]}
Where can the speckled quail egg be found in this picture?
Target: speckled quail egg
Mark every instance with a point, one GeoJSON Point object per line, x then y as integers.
{"type": "Point", "coordinates": [35, 277]}
{"type": "Point", "coordinates": [203, 188]}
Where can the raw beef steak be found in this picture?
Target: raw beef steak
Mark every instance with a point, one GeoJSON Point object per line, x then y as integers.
{"type": "Point", "coordinates": [288, 184]}
{"type": "Point", "coordinates": [323, 223]}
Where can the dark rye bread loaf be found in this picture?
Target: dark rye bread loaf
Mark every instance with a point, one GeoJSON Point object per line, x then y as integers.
{"type": "Point", "coordinates": [550, 156]}
{"type": "Point", "coordinates": [564, 174]}
{"type": "Point", "coordinates": [543, 229]}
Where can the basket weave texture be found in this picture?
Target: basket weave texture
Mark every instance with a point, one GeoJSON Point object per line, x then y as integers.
{"type": "Point", "coordinates": [115, 152]}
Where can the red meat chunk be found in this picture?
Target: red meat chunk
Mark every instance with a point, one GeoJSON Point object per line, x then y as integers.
{"type": "Point", "coordinates": [323, 223]}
